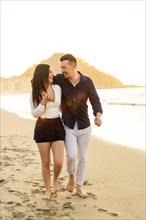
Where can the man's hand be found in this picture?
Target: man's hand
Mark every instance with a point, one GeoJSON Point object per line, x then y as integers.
{"type": "Point", "coordinates": [97, 120]}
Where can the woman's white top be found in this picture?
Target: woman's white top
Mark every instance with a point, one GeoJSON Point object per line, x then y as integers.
{"type": "Point", "coordinates": [52, 109]}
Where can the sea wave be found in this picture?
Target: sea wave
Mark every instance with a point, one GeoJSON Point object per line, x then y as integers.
{"type": "Point", "coordinates": [125, 96]}
{"type": "Point", "coordinates": [123, 114]}
{"type": "Point", "coordinates": [125, 103]}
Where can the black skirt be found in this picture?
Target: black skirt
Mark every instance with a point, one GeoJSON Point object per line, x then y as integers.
{"type": "Point", "coordinates": [48, 130]}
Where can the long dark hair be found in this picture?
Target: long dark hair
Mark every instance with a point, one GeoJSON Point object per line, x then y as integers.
{"type": "Point", "coordinates": [39, 82]}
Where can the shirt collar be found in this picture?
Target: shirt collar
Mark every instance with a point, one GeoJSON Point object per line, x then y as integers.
{"type": "Point", "coordinates": [83, 78]}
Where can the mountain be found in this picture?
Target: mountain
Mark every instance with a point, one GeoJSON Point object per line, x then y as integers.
{"type": "Point", "coordinates": [21, 84]}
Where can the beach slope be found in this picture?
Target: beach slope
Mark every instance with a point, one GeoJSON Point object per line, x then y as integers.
{"type": "Point", "coordinates": [115, 179]}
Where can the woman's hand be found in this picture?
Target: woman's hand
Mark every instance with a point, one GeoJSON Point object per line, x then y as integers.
{"type": "Point", "coordinates": [44, 98]}
{"type": "Point", "coordinates": [51, 96]}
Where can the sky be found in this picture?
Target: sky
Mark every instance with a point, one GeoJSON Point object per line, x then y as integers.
{"type": "Point", "coordinates": [109, 35]}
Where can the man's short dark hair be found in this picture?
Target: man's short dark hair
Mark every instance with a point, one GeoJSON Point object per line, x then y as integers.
{"type": "Point", "coordinates": [69, 57]}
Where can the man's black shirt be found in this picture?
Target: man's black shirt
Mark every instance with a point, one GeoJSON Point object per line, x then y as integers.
{"type": "Point", "coordinates": [74, 100]}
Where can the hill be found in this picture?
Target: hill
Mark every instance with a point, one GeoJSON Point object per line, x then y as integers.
{"type": "Point", "coordinates": [21, 83]}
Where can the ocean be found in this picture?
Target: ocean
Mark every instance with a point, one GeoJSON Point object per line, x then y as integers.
{"type": "Point", "coordinates": [124, 112]}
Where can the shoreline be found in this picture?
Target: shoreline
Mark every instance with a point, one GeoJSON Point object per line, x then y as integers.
{"type": "Point", "coordinates": [115, 179]}
{"type": "Point", "coordinates": [16, 92]}
{"type": "Point", "coordinates": [120, 124]}
{"type": "Point", "coordinates": [105, 132]}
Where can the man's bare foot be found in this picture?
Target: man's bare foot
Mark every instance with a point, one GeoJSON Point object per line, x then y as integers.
{"type": "Point", "coordinates": [57, 187]}
{"type": "Point", "coordinates": [47, 195]}
{"type": "Point", "coordinates": [70, 185]}
{"type": "Point", "coordinates": [81, 193]}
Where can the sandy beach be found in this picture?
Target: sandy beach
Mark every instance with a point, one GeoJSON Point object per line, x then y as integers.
{"type": "Point", "coordinates": [115, 179]}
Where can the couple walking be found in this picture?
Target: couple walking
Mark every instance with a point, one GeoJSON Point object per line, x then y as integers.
{"type": "Point", "coordinates": [68, 93]}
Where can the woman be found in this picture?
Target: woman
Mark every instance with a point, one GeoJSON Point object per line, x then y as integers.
{"type": "Point", "coordinates": [49, 131]}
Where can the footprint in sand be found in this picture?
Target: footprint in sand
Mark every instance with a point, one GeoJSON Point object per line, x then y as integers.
{"type": "Point", "coordinates": [18, 215]}
{"type": "Point", "coordinates": [86, 182]}
{"type": "Point", "coordinates": [14, 203]}
{"type": "Point", "coordinates": [36, 191]}
{"type": "Point", "coordinates": [11, 205]}
{"type": "Point", "coordinates": [68, 205]}
{"type": "Point", "coordinates": [68, 197]}
{"type": "Point", "coordinates": [24, 197]}
{"type": "Point", "coordinates": [51, 212]}
{"type": "Point", "coordinates": [2, 181]}
{"type": "Point", "coordinates": [92, 196]}
{"type": "Point", "coordinates": [15, 191]}
{"type": "Point", "coordinates": [107, 212]}
{"type": "Point", "coordinates": [34, 184]}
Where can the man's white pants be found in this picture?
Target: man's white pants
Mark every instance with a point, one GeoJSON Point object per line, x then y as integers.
{"type": "Point", "coordinates": [76, 144]}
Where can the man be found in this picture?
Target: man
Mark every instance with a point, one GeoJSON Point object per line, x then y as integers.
{"type": "Point", "coordinates": [76, 90]}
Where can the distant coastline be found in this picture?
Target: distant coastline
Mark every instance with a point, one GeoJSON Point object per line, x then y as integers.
{"type": "Point", "coordinates": [21, 84]}
{"type": "Point", "coordinates": [11, 89]}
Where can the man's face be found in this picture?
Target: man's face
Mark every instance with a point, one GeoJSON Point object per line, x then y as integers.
{"type": "Point", "coordinates": [67, 69]}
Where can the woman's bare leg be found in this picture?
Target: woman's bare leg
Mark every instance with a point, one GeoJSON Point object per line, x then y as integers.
{"type": "Point", "coordinates": [71, 182]}
{"type": "Point", "coordinates": [44, 149]}
{"type": "Point", "coordinates": [58, 154]}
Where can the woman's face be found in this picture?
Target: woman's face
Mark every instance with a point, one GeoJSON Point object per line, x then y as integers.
{"type": "Point", "coordinates": [50, 76]}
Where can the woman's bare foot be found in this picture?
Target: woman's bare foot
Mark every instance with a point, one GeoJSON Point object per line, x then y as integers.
{"type": "Point", "coordinates": [70, 185]}
{"type": "Point", "coordinates": [57, 187]}
{"type": "Point", "coordinates": [47, 195]}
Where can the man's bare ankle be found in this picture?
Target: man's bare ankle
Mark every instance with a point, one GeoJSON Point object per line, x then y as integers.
{"type": "Point", "coordinates": [79, 186]}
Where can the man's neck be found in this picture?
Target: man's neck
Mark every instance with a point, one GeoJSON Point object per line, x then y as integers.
{"type": "Point", "coordinates": [75, 79]}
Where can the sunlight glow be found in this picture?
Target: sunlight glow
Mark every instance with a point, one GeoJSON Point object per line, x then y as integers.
{"type": "Point", "coordinates": [109, 35]}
